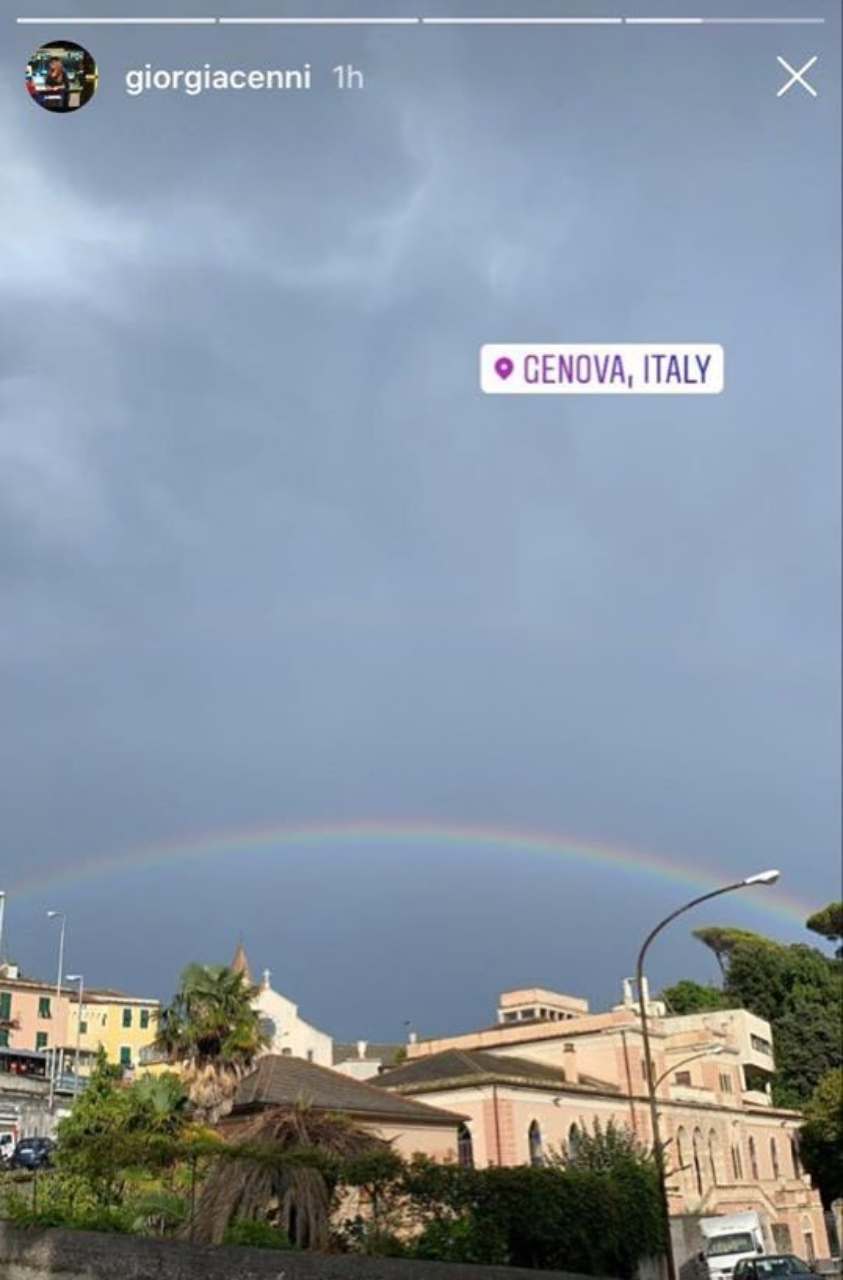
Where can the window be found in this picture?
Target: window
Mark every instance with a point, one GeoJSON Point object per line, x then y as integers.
{"type": "Point", "coordinates": [5, 1005]}
{"type": "Point", "coordinates": [528, 1013]}
{"type": "Point", "coordinates": [574, 1136]}
{"type": "Point", "coordinates": [725, 1082]}
{"type": "Point", "coordinates": [712, 1156]}
{"type": "Point", "coordinates": [465, 1147]}
{"type": "Point", "coordinates": [761, 1046]}
{"type": "Point", "coordinates": [774, 1159]}
{"type": "Point", "coordinates": [83, 1028]}
{"type": "Point", "coordinates": [286, 1053]}
{"type": "Point", "coordinates": [643, 1068]}
{"type": "Point", "coordinates": [44, 1007]}
{"type": "Point", "coordinates": [127, 1017]}
{"type": "Point", "coordinates": [310, 1055]}
{"type": "Point", "coordinates": [510, 1017]}
{"type": "Point", "coordinates": [781, 1237]}
{"type": "Point", "coordinates": [125, 1056]}
{"type": "Point", "coordinates": [4, 1039]}
{"type": "Point", "coordinates": [144, 1019]}
{"type": "Point", "coordinates": [737, 1163]}
{"type": "Point", "coordinates": [680, 1151]}
{"type": "Point", "coordinates": [682, 1077]}
{"type": "Point", "coordinates": [810, 1251]}
{"type": "Point", "coordinates": [794, 1156]}
{"type": "Point", "coordinates": [698, 1158]}
{"type": "Point", "coordinates": [534, 1142]}
{"type": "Point", "coordinates": [753, 1160]}
{"type": "Point", "coordinates": [40, 1040]}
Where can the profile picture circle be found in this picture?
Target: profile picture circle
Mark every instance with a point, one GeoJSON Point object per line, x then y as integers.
{"type": "Point", "coordinates": [61, 76]}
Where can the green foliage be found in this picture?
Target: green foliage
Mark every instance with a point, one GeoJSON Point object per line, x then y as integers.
{"type": "Point", "coordinates": [212, 1029]}
{"type": "Point", "coordinates": [156, 1212]}
{"type": "Point", "coordinates": [257, 1235]}
{"type": "Point", "coordinates": [828, 923]}
{"type": "Point", "coordinates": [461, 1240]}
{"type": "Point", "coordinates": [687, 996]}
{"type": "Point", "coordinates": [612, 1149]}
{"type": "Point", "coordinates": [821, 1139]}
{"type": "Point", "coordinates": [598, 1221]}
{"type": "Point", "coordinates": [795, 988]}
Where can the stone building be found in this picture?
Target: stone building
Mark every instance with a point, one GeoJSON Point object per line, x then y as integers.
{"type": "Point", "coordinates": [548, 1068]}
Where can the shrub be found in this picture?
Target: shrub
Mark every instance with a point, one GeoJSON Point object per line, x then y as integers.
{"type": "Point", "coordinates": [461, 1240]}
{"type": "Point", "coordinates": [256, 1234]}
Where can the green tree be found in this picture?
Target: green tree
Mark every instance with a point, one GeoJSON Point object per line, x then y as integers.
{"type": "Point", "coordinates": [821, 1138]}
{"type": "Point", "coordinates": [687, 996]}
{"type": "Point", "coordinates": [796, 988]}
{"type": "Point", "coordinates": [828, 923]}
{"type": "Point", "coordinates": [212, 1032]}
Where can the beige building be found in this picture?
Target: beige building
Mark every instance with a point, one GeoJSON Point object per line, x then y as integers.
{"type": "Point", "coordinates": [529, 1083]}
{"type": "Point", "coordinates": [289, 1034]}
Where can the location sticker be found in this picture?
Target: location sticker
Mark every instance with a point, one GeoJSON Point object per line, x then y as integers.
{"type": "Point", "coordinates": [503, 367]}
{"type": "Point", "coordinates": [602, 368]}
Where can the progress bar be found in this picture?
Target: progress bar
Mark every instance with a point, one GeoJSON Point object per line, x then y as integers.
{"type": "Point", "coordinates": [549, 21]}
{"type": "Point", "coordinates": [122, 22]}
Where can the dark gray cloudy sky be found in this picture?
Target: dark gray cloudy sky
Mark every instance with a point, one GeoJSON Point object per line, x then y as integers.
{"type": "Point", "coordinates": [267, 554]}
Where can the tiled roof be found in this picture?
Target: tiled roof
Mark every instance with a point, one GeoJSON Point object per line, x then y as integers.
{"type": "Point", "coordinates": [282, 1081]}
{"type": "Point", "coordinates": [477, 1066]}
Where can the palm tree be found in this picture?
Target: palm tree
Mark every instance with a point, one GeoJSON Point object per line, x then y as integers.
{"type": "Point", "coordinates": [296, 1195]}
{"type": "Point", "coordinates": [212, 1034]}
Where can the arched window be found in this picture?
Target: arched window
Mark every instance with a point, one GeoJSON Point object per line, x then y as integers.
{"type": "Point", "coordinates": [697, 1149]}
{"type": "Point", "coordinates": [574, 1141]}
{"type": "Point", "coordinates": [753, 1160]}
{"type": "Point", "coordinates": [737, 1163]}
{"type": "Point", "coordinates": [534, 1142]}
{"type": "Point", "coordinates": [465, 1147]}
{"type": "Point", "coordinates": [713, 1156]}
{"type": "Point", "coordinates": [794, 1155]}
{"type": "Point", "coordinates": [774, 1159]}
{"type": "Point", "coordinates": [680, 1152]}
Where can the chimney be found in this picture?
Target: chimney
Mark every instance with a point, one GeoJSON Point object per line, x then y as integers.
{"type": "Point", "coordinates": [412, 1038]}
{"type": "Point", "coordinates": [362, 1046]}
{"type": "Point", "coordinates": [645, 994]}
{"type": "Point", "coordinates": [265, 979]}
{"type": "Point", "coordinates": [627, 993]}
{"type": "Point", "coordinates": [569, 1064]}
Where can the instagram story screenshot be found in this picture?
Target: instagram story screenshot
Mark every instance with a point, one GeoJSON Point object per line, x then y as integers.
{"type": "Point", "coordinates": [420, 639]}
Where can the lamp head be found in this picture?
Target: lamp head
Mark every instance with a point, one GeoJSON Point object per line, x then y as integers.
{"type": "Point", "coordinates": [763, 877]}
{"type": "Point", "coordinates": [52, 915]}
{"type": "Point", "coordinates": [73, 977]}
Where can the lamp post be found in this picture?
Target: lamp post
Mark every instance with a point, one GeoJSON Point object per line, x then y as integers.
{"type": "Point", "coordinates": [77, 977]}
{"type": "Point", "coordinates": [2, 915]}
{"type": "Point", "coordinates": [57, 915]}
{"type": "Point", "coordinates": [762, 877]}
{"type": "Point", "coordinates": [703, 1053]}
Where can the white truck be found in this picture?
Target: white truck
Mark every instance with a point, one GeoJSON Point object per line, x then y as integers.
{"type": "Point", "coordinates": [730, 1237]}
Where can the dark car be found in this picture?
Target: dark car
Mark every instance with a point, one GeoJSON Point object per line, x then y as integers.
{"type": "Point", "coordinates": [32, 1153]}
{"type": "Point", "coordinates": [769, 1266]}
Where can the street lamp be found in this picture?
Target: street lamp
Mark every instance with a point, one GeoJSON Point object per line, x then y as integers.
{"type": "Point", "coordinates": [77, 977]}
{"type": "Point", "coordinates": [703, 1053]}
{"type": "Point", "coordinates": [761, 877]}
{"type": "Point", "coordinates": [2, 914]}
{"type": "Point", "coordinates": [57, 915]}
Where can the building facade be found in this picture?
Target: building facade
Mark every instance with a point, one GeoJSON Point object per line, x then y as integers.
{"type": "Point", "coordinates": [120, 1024]}
{"type": "Point", "coordinates": [289, 1035]}
{"type": "Point", "coordinates": [530, 1085]}
{"type": "Point", "coordinates": [32, 1015]}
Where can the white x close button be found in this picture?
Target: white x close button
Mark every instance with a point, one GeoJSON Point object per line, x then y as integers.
{"type": "Point", "coordinates": [797, 77]}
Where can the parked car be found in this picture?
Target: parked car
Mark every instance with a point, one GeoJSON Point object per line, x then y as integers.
{"type": "Point", "coordinates": [33, 1153]}
{"type": "Point", "coordinates": [770, 1266]}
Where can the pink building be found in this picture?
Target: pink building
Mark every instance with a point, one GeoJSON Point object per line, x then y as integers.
{"type": "Point", "coordinates": [548, 1069]}
{"type": "Point", "coordinates": [31, 1015]}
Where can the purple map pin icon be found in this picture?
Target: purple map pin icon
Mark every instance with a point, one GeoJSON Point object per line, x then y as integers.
{"type": "Point", "coordinates": [503, 367]}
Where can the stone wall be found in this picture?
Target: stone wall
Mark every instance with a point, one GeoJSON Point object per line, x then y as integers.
{"type": "Point", "coordinates": [37, 1254]}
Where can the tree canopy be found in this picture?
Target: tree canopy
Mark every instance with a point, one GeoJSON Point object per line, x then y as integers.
{"type": "Point", "coordinates": [796, 988]}
{"type": "Point", "coordinates": [821, 1146]}
{"type": "Point", "coordinates": [828, 923]}
{"type": "Point", "coordinates": [212, 1032]}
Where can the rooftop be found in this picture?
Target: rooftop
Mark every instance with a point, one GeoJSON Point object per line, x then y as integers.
{"type": "Point", "coordinates": [461, 1067]}
{"type": "Point", "coordinates": [282, 1081]}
